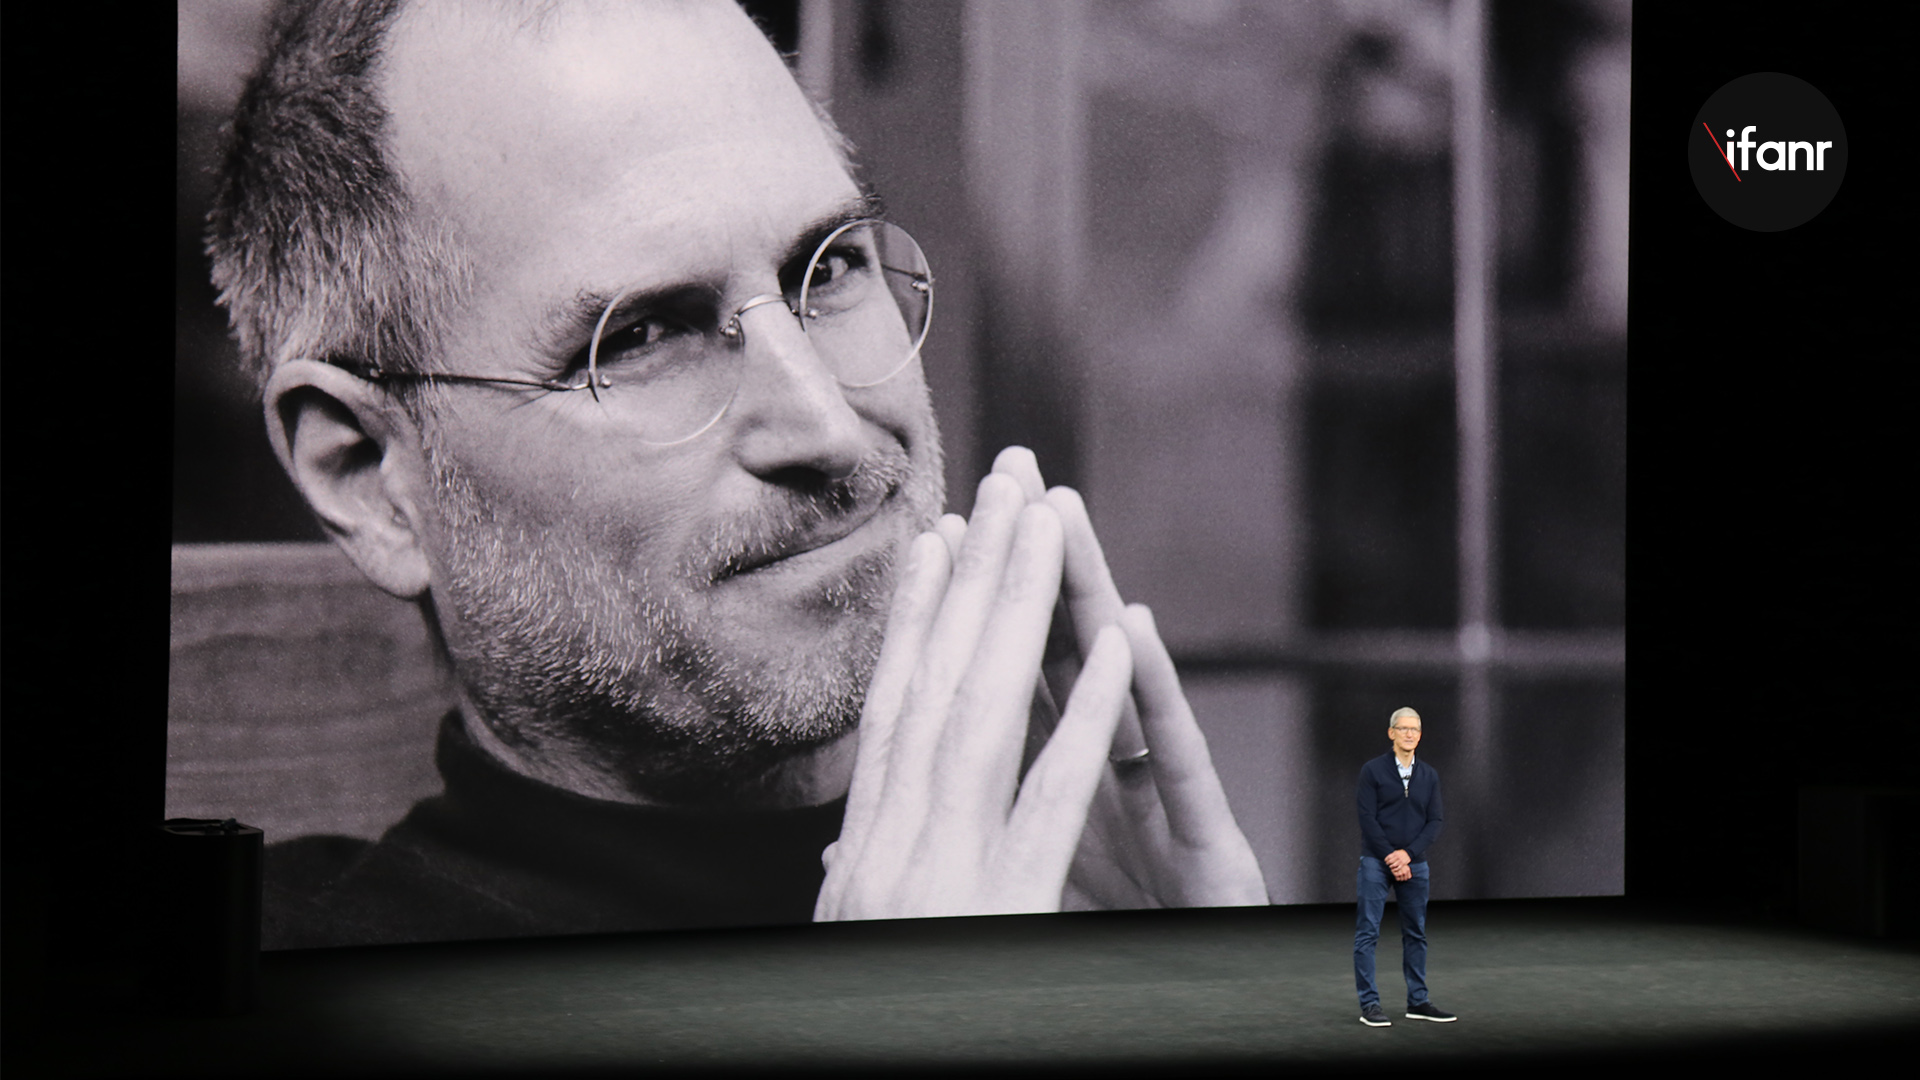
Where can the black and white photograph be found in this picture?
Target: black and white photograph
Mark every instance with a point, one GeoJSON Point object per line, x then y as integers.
{"type": "Point", "coordinates": [668, 465]}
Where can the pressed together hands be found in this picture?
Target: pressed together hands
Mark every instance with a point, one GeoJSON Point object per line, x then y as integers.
{"type": "Point", "coordinates": [1399, 864]}
{"type": "Point", "coordinates": [940, 820]}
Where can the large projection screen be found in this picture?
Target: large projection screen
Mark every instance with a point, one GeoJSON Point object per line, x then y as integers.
{"type": "Point", "coordinates": [1321, 305]}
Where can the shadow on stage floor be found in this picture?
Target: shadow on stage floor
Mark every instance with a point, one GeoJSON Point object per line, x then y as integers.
{"type": "Point", "coordinates": [1591, 982]}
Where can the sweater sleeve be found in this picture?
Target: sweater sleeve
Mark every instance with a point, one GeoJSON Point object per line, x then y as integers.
{"type": "Point", "coordinates": [1436, 817]}
{"type": "Point", "coordinates": [1373, 838]}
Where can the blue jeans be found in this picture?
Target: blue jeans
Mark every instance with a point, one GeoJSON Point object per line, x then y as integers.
{"type": "Point", "coordinates": [1371, 883]}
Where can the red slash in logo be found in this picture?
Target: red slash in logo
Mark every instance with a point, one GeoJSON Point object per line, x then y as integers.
{"type": "Point", "coordinates": [1723, 153]}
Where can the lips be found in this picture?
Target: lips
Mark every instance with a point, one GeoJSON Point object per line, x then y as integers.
{"type": "Point", "coordinates": [814, 527]}
{"type": "Point", "coordinates": [803, 511]}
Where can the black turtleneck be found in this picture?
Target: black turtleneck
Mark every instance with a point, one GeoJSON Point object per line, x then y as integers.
{"type": "Point", "coordinates": [499, 855]}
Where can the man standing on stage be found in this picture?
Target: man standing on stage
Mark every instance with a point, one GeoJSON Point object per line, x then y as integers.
{"type": "Point", "coordinates": [1400, 818]}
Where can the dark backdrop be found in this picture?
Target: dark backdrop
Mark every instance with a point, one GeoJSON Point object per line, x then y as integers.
{"type": "Point", "coordinates": [1769, 565]}
{"type": "Point", "coordinates": [1770, 455]}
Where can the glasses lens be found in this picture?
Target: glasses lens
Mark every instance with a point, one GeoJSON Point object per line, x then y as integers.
{"type": "Point", "coordinates": [867, 297]}
{"type": "Point", "coordinates": [867, 300]}
{"type": "Point", "coordinates": [660, 372]}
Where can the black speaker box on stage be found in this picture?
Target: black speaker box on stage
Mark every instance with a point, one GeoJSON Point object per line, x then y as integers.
{"type": "Point", "coordinates": [1856, 859]}
{"type": "Point", "coordinates": [206, 935]}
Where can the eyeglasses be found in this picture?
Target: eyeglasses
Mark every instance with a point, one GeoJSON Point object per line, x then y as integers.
{"type": "Point", "coordinates": [671, 365]}
{"type": "Point", "coordinates": [1406, 730]}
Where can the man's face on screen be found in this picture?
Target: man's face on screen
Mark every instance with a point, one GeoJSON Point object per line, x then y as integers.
{"type": "Point", "coordinates": [680, 612]}
{"type": "Point", "coordinates": [1405, 734]}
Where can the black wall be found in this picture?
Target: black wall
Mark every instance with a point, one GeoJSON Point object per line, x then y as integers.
{"type": "Point", "coordinates": [1770, 454]}
{"type": "Point", "coordinates": [1769, 459]}
{"type": "Point", "coordinates": [84, 559]}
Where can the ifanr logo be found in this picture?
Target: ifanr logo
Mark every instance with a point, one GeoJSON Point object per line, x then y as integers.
{"type": "Point", "coordinates": [1783, 152]}
{"type": "Point", "coordinates": [1768, 184]}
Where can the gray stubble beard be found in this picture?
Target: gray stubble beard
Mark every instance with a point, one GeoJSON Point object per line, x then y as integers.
{"type": "Point", "coordinates": [573, 656]}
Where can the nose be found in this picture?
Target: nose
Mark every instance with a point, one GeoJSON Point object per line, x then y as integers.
{"type": "Point", "coordinates": [791, 412]}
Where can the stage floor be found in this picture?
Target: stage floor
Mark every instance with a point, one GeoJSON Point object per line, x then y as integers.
{"type": "Point", "coordinates": [1567, 982]}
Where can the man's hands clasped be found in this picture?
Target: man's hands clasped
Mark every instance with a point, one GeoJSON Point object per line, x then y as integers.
{"type": "Point", "coordinates": [939, 819]}
{"type": "Point", "coordinates": [1399, 864]}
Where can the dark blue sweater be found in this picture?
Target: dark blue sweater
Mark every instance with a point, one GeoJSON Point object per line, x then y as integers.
{"type": "Point", "coordinates": [1393, 818]}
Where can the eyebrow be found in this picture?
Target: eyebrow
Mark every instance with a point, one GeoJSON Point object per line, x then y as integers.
{"type": "Point", "coordinates": [866, 205]}
{"type": "Point", "coordinates": [566, 327]}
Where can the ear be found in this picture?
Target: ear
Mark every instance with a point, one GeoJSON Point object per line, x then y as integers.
{"type": "Point", "coordinates": [356, 458]}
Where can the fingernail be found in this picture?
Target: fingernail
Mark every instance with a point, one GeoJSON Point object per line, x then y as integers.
{"type": "Point", "coordinates": [996, 479]}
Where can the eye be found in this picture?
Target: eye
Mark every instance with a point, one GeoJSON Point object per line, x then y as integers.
{"type": "Point", "coordinates": [647, 332]}
{"type": "Point", "coordinates": [833, 266]}
{"type": "Point", "coordinates": [648, 342]}
{"type": "Point", "coordinates": [840, 275]}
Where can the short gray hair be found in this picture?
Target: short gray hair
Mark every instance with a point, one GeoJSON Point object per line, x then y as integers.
{"type": "Point", "coordinates": [1400, 714]}
{"type": "Point", "coordinates": [317, 250]}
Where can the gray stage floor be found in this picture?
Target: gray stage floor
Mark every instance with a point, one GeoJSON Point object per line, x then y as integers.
{"type": "Point", "coordinates": [1569, 982]}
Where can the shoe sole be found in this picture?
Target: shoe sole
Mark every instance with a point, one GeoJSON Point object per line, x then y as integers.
{"type": "Point", "coordinates": [1376, 1023]}
{"type": "Point", "coordinates": [1433, 1019]}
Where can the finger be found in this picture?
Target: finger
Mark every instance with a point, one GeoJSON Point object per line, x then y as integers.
{"type": "Point", "coordinates": [1021, 464]}
{"type": "Point", "coordinates": [1127, 819]}
{"type": "Point", "coordinates": [944, 658]}
{"type": "Point", "coordinates": [953, 529]}
{"type": "Point", "coordinates": [827, 905]}
{"type": "Point", "coordinates": [979, 755]}
{"type": "Point", "coordinates": [973, 584]}
{"type": "Point", "coordinates": [916, 600]}
{"type": "Point", "coordinates": [1091, 594]}
{"type": "Point", "coordinates": [1051, 811]}
{"type": "Point", "coordinates": [1092, 599]}
{"type": "Point", "coordinates": [1196, 805]}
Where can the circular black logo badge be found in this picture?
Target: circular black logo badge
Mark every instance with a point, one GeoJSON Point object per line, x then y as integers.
{"type": "Point", "coordinates": [1767, 152]}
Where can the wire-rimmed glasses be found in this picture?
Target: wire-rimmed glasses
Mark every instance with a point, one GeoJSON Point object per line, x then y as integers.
{"type": "Point", "coordinates": [672, 364]}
